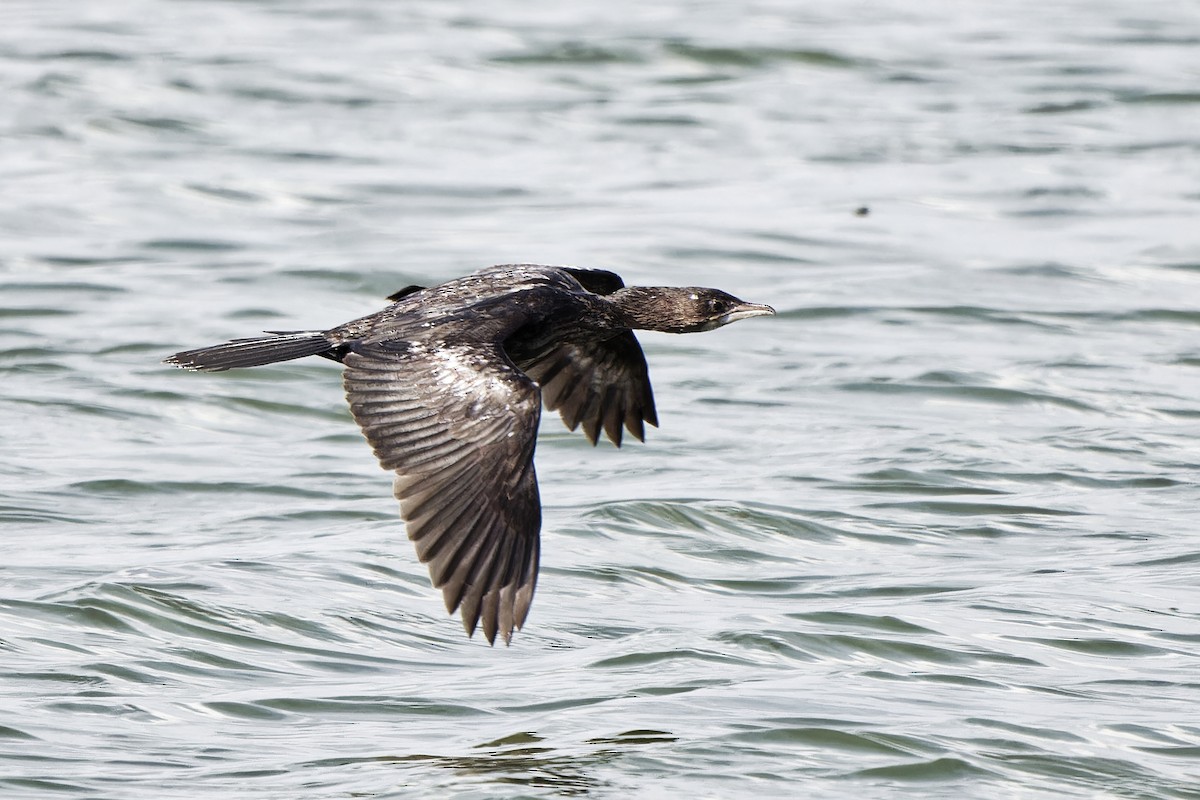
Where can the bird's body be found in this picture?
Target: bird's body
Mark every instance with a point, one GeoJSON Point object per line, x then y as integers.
{"type": "Point", "coordinates": [447, 384]}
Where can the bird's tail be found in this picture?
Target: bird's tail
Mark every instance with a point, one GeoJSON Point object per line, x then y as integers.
{"type": "Point", "coordinates": [280, 346]}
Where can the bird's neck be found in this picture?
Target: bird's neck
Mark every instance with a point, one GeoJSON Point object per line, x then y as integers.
{"type": "Point", "coordinates": [639, 307]}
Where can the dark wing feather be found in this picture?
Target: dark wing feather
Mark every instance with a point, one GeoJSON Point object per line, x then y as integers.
{"type": "Point", "coordinates": [405, 292]}
{"type": "Point", "coordinates": [601, 385]}
{"type": "Point", "coordinates": [596, 281]}
{"type": "Point", "coordinates": [458, 424]}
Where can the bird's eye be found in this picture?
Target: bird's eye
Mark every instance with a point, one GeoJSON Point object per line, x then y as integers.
{"type": "Point", "coordinates": [716, 305]}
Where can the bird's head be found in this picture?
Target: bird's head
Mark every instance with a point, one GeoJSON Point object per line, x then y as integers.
{"type": "Point", "coordinates": [686, 309]}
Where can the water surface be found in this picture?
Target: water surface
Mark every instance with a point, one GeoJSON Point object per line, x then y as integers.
{"type": "Point", "coordinates": [929, 531]}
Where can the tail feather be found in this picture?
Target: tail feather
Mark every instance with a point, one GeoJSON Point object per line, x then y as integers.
{"type": "Point", "coordinates": [253, 352]}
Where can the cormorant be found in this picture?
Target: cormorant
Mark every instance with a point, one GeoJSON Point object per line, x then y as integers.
{"type": "Point", "coordinates": [447, 384]}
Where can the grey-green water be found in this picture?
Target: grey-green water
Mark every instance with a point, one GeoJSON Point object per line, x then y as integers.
{"type": "Point", "coordinates": [932, 531]}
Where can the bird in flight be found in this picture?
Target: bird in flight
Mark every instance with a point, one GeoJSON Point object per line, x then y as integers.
{"type": "Point", "coordinates": [448, 382]}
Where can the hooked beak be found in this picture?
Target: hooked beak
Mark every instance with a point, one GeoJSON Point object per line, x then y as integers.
{"type": "Point", "coordinates": [746, 310]}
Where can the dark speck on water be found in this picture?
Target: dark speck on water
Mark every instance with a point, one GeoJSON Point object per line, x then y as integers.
{"type": "Point", "coordinates": [930, 531]}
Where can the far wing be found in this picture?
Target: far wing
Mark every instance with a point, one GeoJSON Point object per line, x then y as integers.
{"type": "Point", "coordinates": [602, 384]}
{"type": "Point", "coordinates": [458, 424]}
{"type": "Point", "coordinates": [405, 292]}
{"type": "Point", "coordinates": [596, 281]}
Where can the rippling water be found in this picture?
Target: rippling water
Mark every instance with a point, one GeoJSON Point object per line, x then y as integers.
{"type": "Point", "coordinates": [930, 532]}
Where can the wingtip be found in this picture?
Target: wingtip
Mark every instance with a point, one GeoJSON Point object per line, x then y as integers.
{"type": "Point", "coordinates": [591, 429]}
{"type": "Point", "coordinates": [490, 636]}
{"type": "Point", "coordinates": [490, 631]}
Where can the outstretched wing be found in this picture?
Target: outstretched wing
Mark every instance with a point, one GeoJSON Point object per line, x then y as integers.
{"type": "Point", "coordinates": [405, 292]}
{"type": "Point", "coordinates": [601, 384]}
{"type": "Point", "coordinates": [596, 281]}
{"type": "Point", "coordinates": [458, 424]}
